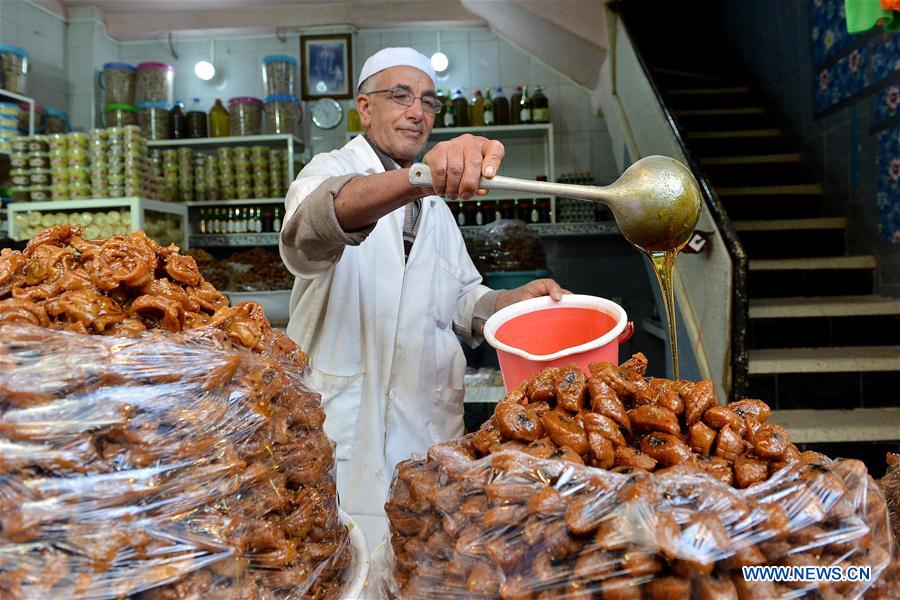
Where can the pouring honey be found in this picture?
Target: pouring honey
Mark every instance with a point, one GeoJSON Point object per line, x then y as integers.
{"type": "Point", "coordinates": [656, 203]}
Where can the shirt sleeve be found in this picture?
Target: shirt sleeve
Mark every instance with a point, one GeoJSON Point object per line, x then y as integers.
{"type": "Point", "coordinates": [311, 239]}
{"type": "Point", "coordinates": [314, 229]}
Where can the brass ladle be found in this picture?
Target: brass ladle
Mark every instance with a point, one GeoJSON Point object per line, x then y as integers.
{"type": "Point", "coordinates": [656, 201]}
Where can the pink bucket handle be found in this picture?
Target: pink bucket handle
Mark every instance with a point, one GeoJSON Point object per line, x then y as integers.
{"type": "Point", "coordinates": [626, 335]}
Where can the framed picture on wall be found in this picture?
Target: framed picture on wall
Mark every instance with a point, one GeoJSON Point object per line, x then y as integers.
{"type": "Point", "coordinates": [326, 66]}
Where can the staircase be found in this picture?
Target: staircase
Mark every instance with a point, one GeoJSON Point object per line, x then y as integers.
{"type": "Point", "coordinates": [824, 347]}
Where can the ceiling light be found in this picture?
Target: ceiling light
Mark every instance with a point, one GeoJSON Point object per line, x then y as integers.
{"type": "Point", "coordinates": [204, 70]}
{"type": "Point", "coordinates": [439, 61]}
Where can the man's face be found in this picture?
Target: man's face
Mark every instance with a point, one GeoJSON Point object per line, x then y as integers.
{"type": "Point", "coordinates": [401, 131]}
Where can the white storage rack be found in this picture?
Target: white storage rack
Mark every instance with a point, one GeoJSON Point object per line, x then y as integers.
{"type": "Point", "coordinates": [138, 207]}
{"type": "Point", "coordinates": [294, 147]}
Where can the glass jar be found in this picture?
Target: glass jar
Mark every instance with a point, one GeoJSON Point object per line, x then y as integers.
{"type": "Point", "coordinates": [279, 72]}
{"type": "Point", "coordinates": [119, 115]}
{"type": "Point", "coordinates": [246, 115]}
{"type": "Point", "coordinates": [118, 81]}
{"type": "Point", "coordinates": [155, 82]}
{"type": "Point", "coordinates": [281, 114]}
{"type": "Point", "coordinates": [55, 121]}
{"type": "Point", "coordinates": [13, 69]}
{"type": "Point", "coordinates": [154, 120]}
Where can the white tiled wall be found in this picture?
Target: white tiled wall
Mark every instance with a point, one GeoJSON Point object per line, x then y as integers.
{"type": "Point", "coordinates": [67, 59]}
{"type": "Point", "coordinates": [43, 35]}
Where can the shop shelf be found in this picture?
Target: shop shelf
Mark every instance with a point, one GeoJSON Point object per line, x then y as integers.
{"type": "Point", "coordinates": [233, 240]}
{"type": "Point", "coordinates": [138, 207]}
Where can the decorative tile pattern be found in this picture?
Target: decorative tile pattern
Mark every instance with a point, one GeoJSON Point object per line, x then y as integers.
{"type": "Point", "coordinates": [829, 32]}
{"type": "Point", "coordinates": [843, 79]}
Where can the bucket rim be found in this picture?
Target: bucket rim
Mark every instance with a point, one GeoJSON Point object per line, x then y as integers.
{"type": "Point", "coordinates": [502, 316]}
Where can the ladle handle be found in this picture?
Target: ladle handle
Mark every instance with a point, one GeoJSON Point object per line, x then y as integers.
{"type": "Point", "coordinates": [420, 175]}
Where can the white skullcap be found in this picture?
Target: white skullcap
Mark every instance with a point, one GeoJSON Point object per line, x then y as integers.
{"type": "Point", "coordinates": [396, 57]}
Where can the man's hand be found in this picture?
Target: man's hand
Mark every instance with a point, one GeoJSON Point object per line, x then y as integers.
{"type": "Point", "coordinates": [458, 165]}
{"type": "Point", "coordinates": [532, 289]}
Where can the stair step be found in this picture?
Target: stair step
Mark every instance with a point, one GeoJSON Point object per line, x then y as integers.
{"type": "Point", "coordinates": [827, 306]}
{"type": "Point", "coordinates": [753, 159]}
{"type": "Point", "coordinates": [687, 74]}
{"type": "Point", "coordinates": [823, 332]}
{"type": "Point", "coordinates": [860, 425]}
{"type": "Point", "coordinates": [767, 208]}
{"type": "Point", "coordinates": [697, 91]}
{"type": "Point", "coordinates": [815, 263]}
{"type": "Point", "coordinates": [791, 238]}
{"type": "Point", "coordinates": [737, 133]}
{"type": "Point", "coordinates": [790, 224]}
{"type": "Point", "coordinates": [799, 189]}
{"type": "Point", "coordinates": [716, 112]}
{"type": "Point", "coordinates": [847, 359]}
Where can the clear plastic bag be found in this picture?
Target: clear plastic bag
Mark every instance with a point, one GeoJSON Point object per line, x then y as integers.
{"type": "Point", "coordinates": [510, 526]}
{"type": "Point", "coordinates": [508, 245]}
{"type": "Point", "coordinates": [612, 485]}
{"type": "Point", "coordinates": [171, 465]}
{"type": "Point", "coordinates": [173, 453]}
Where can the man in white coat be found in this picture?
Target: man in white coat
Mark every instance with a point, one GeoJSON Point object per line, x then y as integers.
{"type": "Point", "coordinates": [384, 284]}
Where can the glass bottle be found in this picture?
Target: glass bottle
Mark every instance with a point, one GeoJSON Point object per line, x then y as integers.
{"type": "Point", "coordinates": [219, 121]}
{"type": "Point", "coordinates": [354, 125]}
{"type": "Point", "coordinates": [540, 107]}
{"type": "Point", "coordinates": [489, 109]}
{"type": "Point", "coordinates": [202, 223]}
{"type": "Point", "coordinates": [501, 107]}
{"type": "Point", "coordinates": [525, 107]}
{"type": "Point", "coordinates": [476, 110]}
{"type": "Point", "coordinates": [449, 116]}
{"type": "Point", "coordinates": [443, 95]}
{"type": "Point", "coordinates": [460, 109]}
{"type": "Point", "coordinates": [177, 122]}
{"type": "Point", "coordinates": [460, 214]}
{"type": "Point", "coordinates": [276, 222]}
{"type": "Point", "coordinates": [515, 114]}
{"type": "Point", "coordinates": [196, 120]}
{"type": "Point", "coordinates": [479, 214]}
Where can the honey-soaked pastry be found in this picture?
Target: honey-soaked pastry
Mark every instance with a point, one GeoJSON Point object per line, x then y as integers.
{"type": "Point", "coordinates": [719, 416]}
{"type": "Point", "coordinates": [543, 385]}
{"type": "Point", "coordinates": [701, 437]}
{"type": "Point", "coordinates": [516, 423]}
{"type": "Point", "coordinates": [650, 417]}
{"type": "Point", "coordinates": [701, 398]}
{"type": "Point", "coordinates": [564, 430]}
{"type": "Point", "coordinates": [605, 401]}
{"type": "Point", "coordinates": [172, 406]}
{"type": "Point", "coordinates": [748, 471]}
{"type": "Point", "coordinates": [729, 445]}
{"type": "Point", "coordinates": [755, 409]}
{"type": "Point", "coordinates": [603, 425]}
{"type": "Point", "coordinates": [647, 489]}
{"type": "Point", "coordinates": [570, 385]}
{"type": "Point", "coordinates": [770, 441]}
{"type": "Point", "coordinates": [665, 448]}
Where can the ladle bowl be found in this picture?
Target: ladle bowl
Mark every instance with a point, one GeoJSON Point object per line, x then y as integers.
{"type": "Point", "coordinates": [656, 202]}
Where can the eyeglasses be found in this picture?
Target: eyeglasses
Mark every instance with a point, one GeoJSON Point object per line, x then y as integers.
{"type": "Point", "coordinates": [405, 97]}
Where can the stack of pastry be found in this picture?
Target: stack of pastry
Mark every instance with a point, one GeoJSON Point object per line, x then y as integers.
{"type": "Point", "coordinates": [173, 453]}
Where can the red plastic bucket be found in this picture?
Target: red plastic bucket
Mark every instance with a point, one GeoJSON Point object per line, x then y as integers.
{"type": "Point", "coordinates": [541, 332]}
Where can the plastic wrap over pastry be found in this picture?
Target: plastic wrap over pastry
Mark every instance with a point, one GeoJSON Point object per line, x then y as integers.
{"type": "Point", "coordinates": [507, 245]}
{"type": "Point", "coordinates": [170, 465]}
{"type": "Point", "coordinates": [153, 439]}
{"type": "Point", "coordinates": [613, 485]}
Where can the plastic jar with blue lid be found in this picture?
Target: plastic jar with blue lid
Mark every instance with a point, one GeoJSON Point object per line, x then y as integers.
{"type": "Point", "coordinates": [55, 121]}
{"type": "Point", "coordinates": [14, 69]}
{"type": "Point", "coordinates": [118, 80]}
{"type": "Point", "coordinates": [279, 73]}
